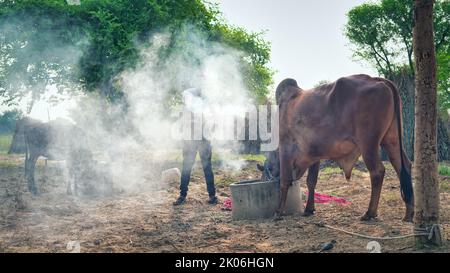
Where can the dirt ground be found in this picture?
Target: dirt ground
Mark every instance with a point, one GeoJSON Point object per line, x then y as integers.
{"type": "Point", "coordinates": [144, 220]}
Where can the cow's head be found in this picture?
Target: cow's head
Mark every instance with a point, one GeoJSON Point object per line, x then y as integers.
{"type": "Point", "coordinates": [271, 168]}
{"type": "Point", "coordinates": [18, 141]}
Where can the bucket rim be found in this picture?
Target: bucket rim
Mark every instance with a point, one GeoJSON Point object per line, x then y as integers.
{"type": "Point", "coordinates": [251, 182]}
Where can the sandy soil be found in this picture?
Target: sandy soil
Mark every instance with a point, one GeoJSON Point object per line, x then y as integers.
{"type": "Point", "coordinates": [145, 221]}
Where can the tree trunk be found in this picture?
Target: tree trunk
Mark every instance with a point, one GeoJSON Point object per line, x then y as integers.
{"type": "Point", "coordinates": [425, 171]}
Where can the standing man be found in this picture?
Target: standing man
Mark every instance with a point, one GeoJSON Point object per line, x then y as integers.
{"type": "Point", "coordinates": [193, 103]}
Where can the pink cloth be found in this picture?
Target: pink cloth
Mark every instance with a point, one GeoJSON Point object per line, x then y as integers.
{"type": "Point", "coordinates": [227, 204]}
{"type": "Point", "coordinates": [320, 198]}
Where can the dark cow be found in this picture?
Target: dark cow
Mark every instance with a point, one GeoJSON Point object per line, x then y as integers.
{"type": "Point", "coordinates": [55, 140]}
{"type": "Point", "coordinates": [341, 121]}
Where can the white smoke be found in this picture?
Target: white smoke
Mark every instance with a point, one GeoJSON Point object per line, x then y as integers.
{"type": "Point", "coordinates": [134, 137]}
{"type": "Point", "coordinates": [40, 79]}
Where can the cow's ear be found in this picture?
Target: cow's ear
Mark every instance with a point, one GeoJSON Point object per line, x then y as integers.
{"type": "Point", "coordinates": [260, 167]}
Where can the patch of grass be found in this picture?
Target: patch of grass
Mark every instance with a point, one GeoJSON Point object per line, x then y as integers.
{"type": "Point", "coordinates": [222, 182]}
{"type": "Point", "coordinates": [5, 142]}
{"type": "Point", "coordinates": [219, 158]}
{"type": "Point", "coordinates": [215, 158]}
{"type": "Point", "coordinates": [327, 172]}
{"type": "Point", "coordinates": [444, 170]}
{"type": "Point", "coordinates": [9, 164]}
{"type": "Point", "coordinates": [259, 158]}
{"type": "Point", "coordinates": [445, 186]}
{"type": "Point", "coordinates": [390, 196]}
{"type": "Point", "coordinates": [331, 170]}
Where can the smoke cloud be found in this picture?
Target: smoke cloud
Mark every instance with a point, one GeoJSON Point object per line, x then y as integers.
{"type": "Point", "coordinates": [129, 139]}
{"type": "Point", "coordinates": [132, 137]}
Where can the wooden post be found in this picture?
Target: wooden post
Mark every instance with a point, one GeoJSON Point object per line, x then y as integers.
{"type": "Point", "coordinates": [425, 171]}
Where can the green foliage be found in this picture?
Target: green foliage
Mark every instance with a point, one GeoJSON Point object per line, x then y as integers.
{"type": "Point", "coordinates": [444, 170]}
{"type": "Point", "coordinates": [30, 31]}
{"type": "Point", "coordinates": [106, 33]}
{"type": "Point", "coordinates": [5, 142]}
{"type": "Point", "coordinates": [257, 75]}
{"type": "Point", "coordinates": [443, 60]}
{"type": "Point", "coordinates": [249, 157]}
{"type": "Point", "coordinates": [331, 170]}
{"type": "Point", "coordinates": [322, 82]}
{"type": "Point", "coordinates": [8, 121]}
{"type": "Point", "coordinates": [381, 33]}
{"type": "Point", "coordinates": [366, 28]}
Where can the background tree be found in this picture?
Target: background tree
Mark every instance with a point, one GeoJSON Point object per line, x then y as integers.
{"type": "Point", "coordinates": [109, 32]}
{"type": "Point", "coordinates": [8, 121]}
{"type": "Point", "coordinates": [381, 33]}
{"type": "Point", "coordinates": [29, 34]}
{"type": "Point", "coordinates": [425, 172]}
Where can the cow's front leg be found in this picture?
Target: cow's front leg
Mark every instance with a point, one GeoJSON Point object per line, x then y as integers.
{"type": "Point", "coordinates": [30, 164]}
{"type": "Point", "coordinates": [376, 169]}
{"type": "Point", "coordinates": [290, 160]}
{"type": "Point", "coordinates": [286, 183]}
{"type": "Point", "coordinates": [311, 180]}
{"type": "Point", "coordinates": [286, 168]}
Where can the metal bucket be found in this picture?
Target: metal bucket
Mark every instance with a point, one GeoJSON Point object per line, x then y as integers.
{"type": "Point", "coordinates": [256, 199]}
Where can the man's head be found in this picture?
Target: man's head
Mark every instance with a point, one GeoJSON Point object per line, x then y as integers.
{"type": "Point", "coordinates": [271, 168]}
{"type": "Point", "coordinates": [192, 92]}
{"type": "Point", "coordinates": [192, 97]}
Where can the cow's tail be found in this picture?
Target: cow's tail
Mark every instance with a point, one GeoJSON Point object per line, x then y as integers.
{"type": "Point", "coordinates": [406, 186]}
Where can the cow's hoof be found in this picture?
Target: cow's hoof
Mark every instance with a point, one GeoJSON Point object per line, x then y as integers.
{"type": "Point", "coordinates": [308, 212]}
{"type": "Point", "coordinates": [368, 217]}
{"type": "Point", "coordinates": [34, 191]}
{"type": "Point", "coordinates": [408, 219]}
{"type": "Point", "coordinates": [409, 214]}
{"type": "Point", "coordinates": [277, 216]}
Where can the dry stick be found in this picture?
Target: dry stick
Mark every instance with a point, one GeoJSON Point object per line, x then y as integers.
{"type": "Point", "coordinates": [173, 245]}
{"type": "Point", "coordinates": [372, 237]}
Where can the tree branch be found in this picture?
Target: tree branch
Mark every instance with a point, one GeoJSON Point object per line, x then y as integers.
{"type": "Point", "coordinates": [378, 59]}
{"type": "Point", "coordinates": [442, 39]}
{"type": "Point", "coordinates": [389, 70]}
{"type": "Point", "coordinates": [386, 58]}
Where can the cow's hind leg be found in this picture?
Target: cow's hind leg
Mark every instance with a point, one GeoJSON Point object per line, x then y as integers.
{"type": "Point", "coordinates": [311, 181]}
{"type": "Point", "coordinates": [376, 169]}
{"type": "Point", "coordinates": [391, 145]}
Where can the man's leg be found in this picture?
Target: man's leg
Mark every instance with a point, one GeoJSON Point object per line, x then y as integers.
{"type": "Point", "coordinates": [189, 154]}
{"type": "Point", "coordinates": [205, 156]}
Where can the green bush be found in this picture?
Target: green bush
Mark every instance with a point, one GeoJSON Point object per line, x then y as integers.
{"type": "Point", "coordinates": [5, 142]}
{"type": "Point", "coordinates": [444, 170]}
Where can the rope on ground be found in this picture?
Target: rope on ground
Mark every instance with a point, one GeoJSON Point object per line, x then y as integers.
{"type": "Point", "coordinates": [430, 233]}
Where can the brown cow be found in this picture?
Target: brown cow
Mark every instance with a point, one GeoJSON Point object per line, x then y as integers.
{"type": "Point", "coordinates": [341, 121]}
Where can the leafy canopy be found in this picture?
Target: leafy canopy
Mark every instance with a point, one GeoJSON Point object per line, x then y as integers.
{"type": "Point", "coordinates": [99, 39]}
{"type": "Point", "coordinates": [381, 33]}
